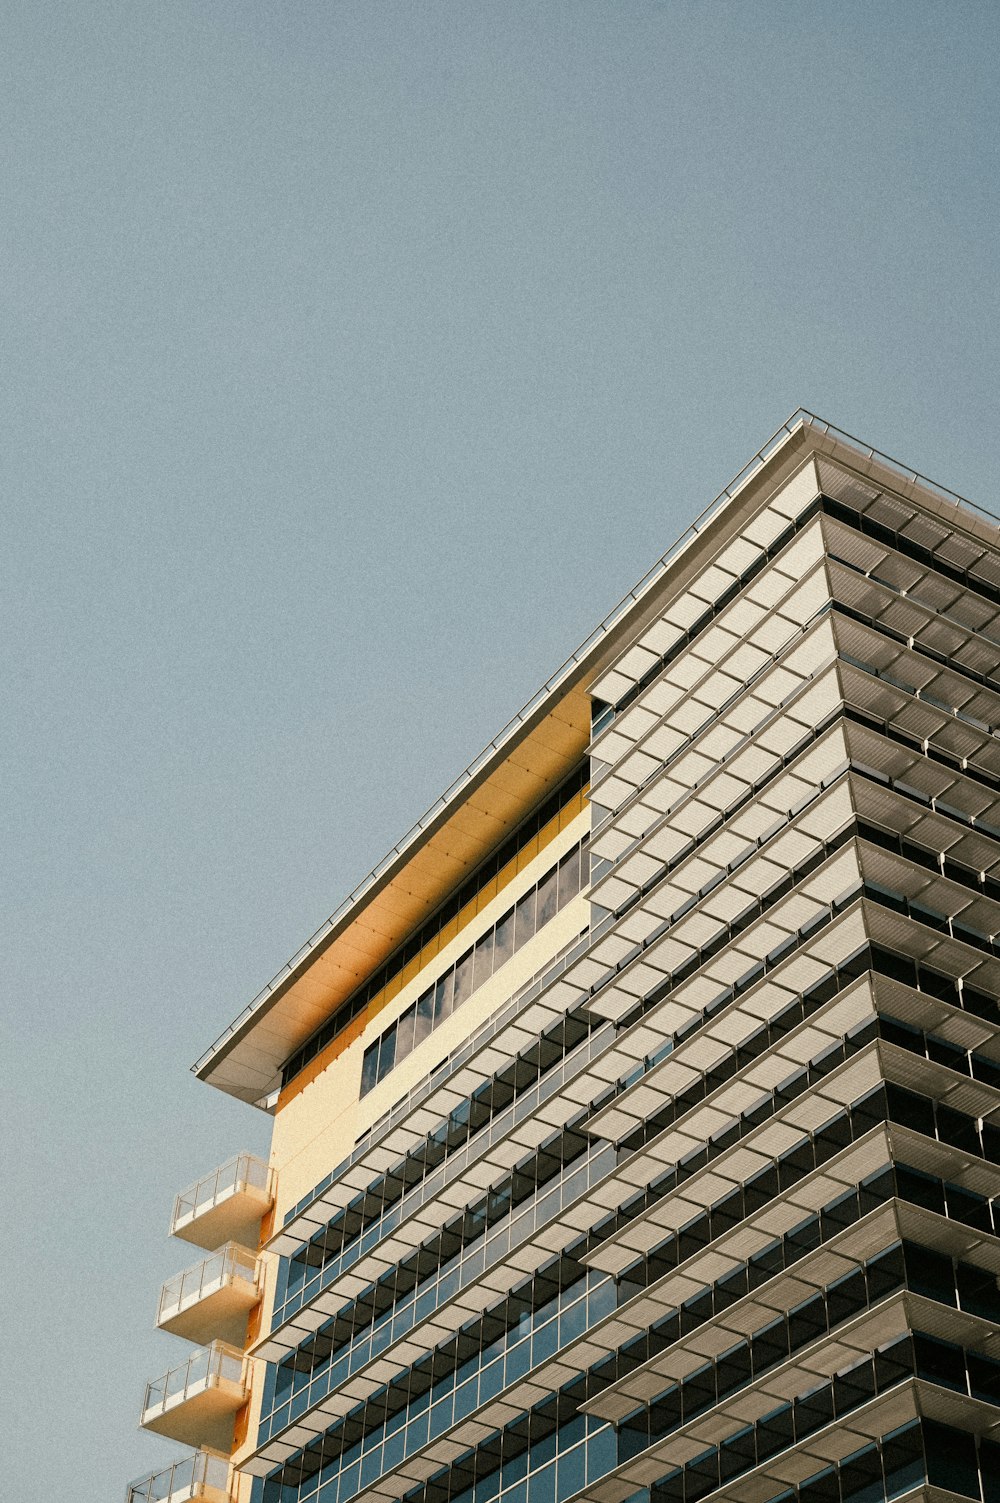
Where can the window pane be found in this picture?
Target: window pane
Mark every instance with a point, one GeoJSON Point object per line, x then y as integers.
{"type": "Point", "coordinates": [404, 1033]}
{"type": "Point", "coordinates": [524, 919]}
{"type": "Point", "coordinates": [444, 997]}
{"type": "Point", "coordinates": [503, 940]}
{"type": "Point", "coordinates": [369, 1067]}
{"type": "Point", "coordinates": [569, 877]}
{"type": "Point", "coordinates": [546, 903]}
{"type": "Point", "coordinates": [387, 1053]}
{"type": "Point", "coordinates": [463, 979]}
{"type": "Point", "coordinates": [482, 961]}
{"type": "Point", "coordinates": [425, 1018]}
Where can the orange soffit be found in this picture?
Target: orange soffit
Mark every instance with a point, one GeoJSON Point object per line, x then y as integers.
{"type": "Point", "coordinates": [492, 889]}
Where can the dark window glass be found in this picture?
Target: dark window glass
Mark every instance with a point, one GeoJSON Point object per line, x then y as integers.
{"type": "Point", "coordinates": [404, 1033]}
{"type": "Point", "coordinates": [524, 919]}
{"type": "Point", "coordinates": [482, 961]}
{"type": "Point", "coordinates": [989, 1466]}
{"type": "Point", "coordinates": [425, 1018]}
{"type": "Point", "coordinates": [569, 877]}
{"type": "Point", "coordinates": [503, 941]}
{"type": "Point", "coordinates": [940, 1363]}
{"type": "Point", "coordinates": [951, 1460]}
{"type": "Point", "coordinates": [546, 901]}
{"type": "Point", "coordinates": [369, 1067]}
{"type": "Point", "coordinates": [444, 997]}
{"type": "Point", "coordinates": [903, 1460]}
{"type": "Point", "coordinates": [387, 1053]}
{"type": "Point", "coordinates": [861, 1477]}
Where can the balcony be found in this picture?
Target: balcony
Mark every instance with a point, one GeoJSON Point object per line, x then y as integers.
{"type": "Point", "coordinates": [203, 1475]}
{"type": "Point", "coordinates": [195, 1401]}
{"type": "Point", "coordinates": [211, 1299]}
{"type": "Point", "coordinates": [226, 1205]}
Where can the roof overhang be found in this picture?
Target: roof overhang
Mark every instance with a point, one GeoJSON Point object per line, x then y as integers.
{"type": "Point", "coordinates": [517, 770]}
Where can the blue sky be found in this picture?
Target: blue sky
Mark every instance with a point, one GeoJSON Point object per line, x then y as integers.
{"type": "Point", "coordinates": [357, 358]}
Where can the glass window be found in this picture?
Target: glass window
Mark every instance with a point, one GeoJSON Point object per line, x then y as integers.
{"type": "Point", "coordinates": [524, 920]}
{"type": "Point", "coordinates": [444, 997]}
{"type": "Point", "coordinates": [989, 1466]}
{"type": "Point", "coordinates": [569, 876]}
{"type": "Point", "coordinates": [463, 980]}
{"type": "Point", "coordinates": [546, 899]}
{"type": "Point", "coordinates": [387, 1053]}
{"type": "Point", "coordinates": [903, 1460]}
{"type": "Point", "coordinates": [404, 1033]}
{"type": "Point", "coordinates": [369, 1067]}
{"type": "Point", "coordinates": [572, 1475]}
{"type": "Point", "coordinates": [425, 1017]}
{"type": "Point", "coordinates": [482, 961]}
{"type": "Point", "coordinates": [503, 941]}
{"type": "Point", "coordinates": [951, 1459]}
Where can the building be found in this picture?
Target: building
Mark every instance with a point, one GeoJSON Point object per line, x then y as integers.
{"type": "Point", "coordinates": [637, 1121]}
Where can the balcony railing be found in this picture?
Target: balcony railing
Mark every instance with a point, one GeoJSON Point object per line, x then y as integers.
{"type": "Point", "coordinates": [197, 1397]}
{"type": "Point", "coordinates": [202, 1475]}
{"type": "Point", "coordinates": [225, 1205]}
{"type": "Point", "coordinates": [197, 1302]}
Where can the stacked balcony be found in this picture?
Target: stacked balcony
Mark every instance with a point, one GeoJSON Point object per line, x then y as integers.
{"type": "Point", "coordinates": [197, 1400]}
{"type": "Point", "coordinates": [212, 1297]}
{"type": "Point", "coordinates": [202, 1476]}
{"type": "Point", "coordinates": [198, 1396]}
{"type": "Point", "coordinates": [226, 1205]}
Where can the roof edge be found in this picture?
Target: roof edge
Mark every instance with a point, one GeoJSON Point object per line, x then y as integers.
{"type": "Point", "coordinates": [558, 683]}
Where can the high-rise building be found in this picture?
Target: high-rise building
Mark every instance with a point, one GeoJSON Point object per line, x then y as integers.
{"type": "Point", "coordinates": [637, 1121]}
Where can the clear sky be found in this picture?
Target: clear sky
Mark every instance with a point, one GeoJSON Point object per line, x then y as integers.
{"type": "Point", "coordinates": [356, 359]}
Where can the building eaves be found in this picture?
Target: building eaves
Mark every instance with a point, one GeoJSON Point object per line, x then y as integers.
{"type": "Point", "coordinates": [513, 771]}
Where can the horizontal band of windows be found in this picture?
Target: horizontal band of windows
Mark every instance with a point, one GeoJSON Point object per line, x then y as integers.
{"type": "Point", "coordinates": [318, 1361]}
{"type": "Point", "coordinates": [559, 1053]}
{"type": "Point", "coordinates": [532, 1332]}
{"type": "Point", "coordinates": [914, 1356]}
{"type": "Point", "coordinates": [492, 1097]}
{"type": "Point", "coordinates": [912, 1454]}
{"type": "Point", "coordinates": [884, 897]}
{"type": "Point", "coordinates": [449, 911]}
{"type": "Point", "coordinates": [971, 1063]}
{"type": "Point", "coordinates": [943, 864]}
{"type": "Point", "coordinates": [371, 1138]}
{"type": "Point", "coordinates": [536, 908]}
{"type": "Point", "coordinates": [299, 1371]}
{"type": "Point", "coordinates": [566, 1150]}
{"type": "Point", "coordinates": [457, 1378]}
{"type": "Point", "coordinates": [893, 1269]}
{"type": "Point", "coordinates": [402, 1283]}
{"type": "Point", "coordinates": [485, 1370]}
{"type": "Point", "coordinates": [753, 911]}
{"type": "Point", "coordinates": [393, 1299]}
{"type": "Point", "coordinates": [884, 1103]}
{"type": "Point", "coordinates": [976, 879]}
{"type": "Point", "coordinates": [439, 1263]}
{"type": "Point", "coordinates": [304, 1274]}
{"type": "Point", "coordinates": [924, 1115]}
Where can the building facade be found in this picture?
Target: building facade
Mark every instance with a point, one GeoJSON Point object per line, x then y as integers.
{"type": "Point", "coordinates": [636, 1124]}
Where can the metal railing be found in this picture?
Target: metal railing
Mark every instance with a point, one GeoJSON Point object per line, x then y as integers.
{"type": "Point", "coordinates": [244, 1171]}
{"type": "Point", "coordinates": [895, 466]}
{"type": "Point", "coordinates": [205, 1368]}
{"type": "Point", "coordinates": [801, 418]}
{"type": "Point", "coordinates": [204, 1278]}
{"type": "Point", "coordinates": [185, 1479]}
